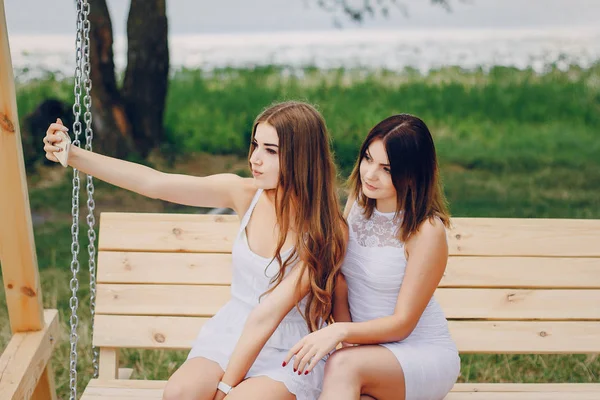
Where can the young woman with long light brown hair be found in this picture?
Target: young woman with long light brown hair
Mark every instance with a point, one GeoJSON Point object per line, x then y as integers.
{"type": "Point", "coordinates": [398, 345]}
{"type": "Point", "coordinates": [286, 256]}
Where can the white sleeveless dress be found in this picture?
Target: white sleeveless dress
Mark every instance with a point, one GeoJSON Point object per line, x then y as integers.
{"type": "Point", "coordinates": [374, 269]}
{"type": "Point", "coordinates": [218, 337]}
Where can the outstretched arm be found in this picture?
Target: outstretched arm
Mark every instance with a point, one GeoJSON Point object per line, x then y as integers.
{"type": "Point", "coordinates": [261, 323]}
{"type": "Point", "coordinates": [221, 190]}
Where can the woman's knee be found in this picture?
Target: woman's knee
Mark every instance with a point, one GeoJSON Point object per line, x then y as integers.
{"type": "Point", "coordinates": [260, 387]}
{"type": "Point", "coordinates": [196, 379]}
{"type": "Point", "coordinates": [177, 390]}
{"type": "Point", "coordinates": [343, 364]}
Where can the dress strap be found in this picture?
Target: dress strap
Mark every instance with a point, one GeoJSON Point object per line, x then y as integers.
{"type": "Point", "coordinates": [248, 214]}
{"type": "Point", "coordinates": [353, 209]}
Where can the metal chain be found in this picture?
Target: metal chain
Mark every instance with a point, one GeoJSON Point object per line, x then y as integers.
{"type": "Point", "coordinates": [89, 135]}
{"type": "Point", "coordinates": [74, 283]}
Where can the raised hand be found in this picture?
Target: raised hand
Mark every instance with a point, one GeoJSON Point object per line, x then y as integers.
{"type": "Point", "coordinates": [56, 142]}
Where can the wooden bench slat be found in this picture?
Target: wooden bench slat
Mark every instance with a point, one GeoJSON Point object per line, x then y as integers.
{"type": "Point", "coordinates": [127, 384]}
{"type": "Point", "coordinates": [491, 304]}
{"type": "Point", "coordinates": [124, 389]}
{"type": "Point", "coordinates": [458, 387]}
{"type": "Point", "coordinates": [526, 387]}
{"type": "Point", "coordinates": [189, 233]}
{"type": "Point", "coordinates": [139, 389]}
{"type": "Point", "coordinates": [522, 272]}
{"type": "Point", "coordinates": [553, 337]}
{"type": "Point", "coordinates": [525, 337]}
{"type": "Point", "coordinates": [215, 269]}
{"type": "Point", "coordinates": [174, 300]}
{"type": "Point", "coordinates": [525, 237]}
{"type": "Point", "coordinates": [520, 304]}
{"type": "Point", "coordinates": [146, 332]}
{"type": "Point", "coordinates": [469, 236]}
{"type": "Point", "coordinates": [164, 268]}
{"type": "Point", "coordinates": [522, 396]}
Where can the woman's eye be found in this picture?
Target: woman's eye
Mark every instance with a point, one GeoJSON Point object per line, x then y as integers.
{"type": "Point", "coordinates": [367, 158]}
{"type": "Point", "coordinates": [271, 151]}
{"type": "Point", "coordinates": [387, 170]}
{"type": "Point", "coordinates": [254, 144]}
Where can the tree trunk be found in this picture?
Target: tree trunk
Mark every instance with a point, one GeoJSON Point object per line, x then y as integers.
{"type": "Point", "coordinates": [146, 78]}
{"type": "Point", "coordinates": [112, 127]}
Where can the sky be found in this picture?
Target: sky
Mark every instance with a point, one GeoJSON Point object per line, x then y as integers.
{"type": "Point", "coordinates": [237, 16]}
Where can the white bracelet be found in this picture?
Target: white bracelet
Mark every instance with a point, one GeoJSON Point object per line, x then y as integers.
{"type": "Point", "coordinates": [223, 387]}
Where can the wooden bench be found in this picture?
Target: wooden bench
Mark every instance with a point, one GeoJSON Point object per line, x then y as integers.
{"type": "Point", "coordinates": [511, 286]}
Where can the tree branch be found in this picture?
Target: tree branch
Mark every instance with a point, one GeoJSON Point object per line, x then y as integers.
{"type": "Point", "coordinates": [357, 11]}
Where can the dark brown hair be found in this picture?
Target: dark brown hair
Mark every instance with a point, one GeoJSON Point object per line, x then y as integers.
{"type": "Point", "coordinates": [414, 170]}
{"type": "Point", "coordinates": [306, 192]}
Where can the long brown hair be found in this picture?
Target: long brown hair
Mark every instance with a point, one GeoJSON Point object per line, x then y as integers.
{"type": "Point", "coordinates": [306, 192]}
{"type": "Point", "coordinates": [414, 169]}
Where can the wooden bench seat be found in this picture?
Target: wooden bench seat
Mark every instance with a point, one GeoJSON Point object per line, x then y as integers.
{"type": "Point", "coordinates": [152, 390]}
{"type": "Point", "coordinates": [527, 286]}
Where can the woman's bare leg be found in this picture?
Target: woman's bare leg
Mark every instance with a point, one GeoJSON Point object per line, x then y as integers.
{"type": "Point", "coordinates": [196, 379]}
{"type": "Point", "coordinates": [366, 370]}
{"type": "Point", "coordinates": [260, 388]}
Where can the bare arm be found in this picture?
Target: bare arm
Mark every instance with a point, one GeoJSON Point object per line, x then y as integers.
{"type": "Point", "coordinates": [262, 322]}
{"type": "Point", "coordinates": [428, 255]}
{"type": "Point", "coordinates": [221, 190]}
{"type": "Point", "coordinates": [341, 309]}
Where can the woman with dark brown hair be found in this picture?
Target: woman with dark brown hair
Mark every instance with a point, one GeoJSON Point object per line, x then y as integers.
{"type": "Point", "coordinates": [285, 258]}
{"type": "Point", "coordinates": [398, 345]}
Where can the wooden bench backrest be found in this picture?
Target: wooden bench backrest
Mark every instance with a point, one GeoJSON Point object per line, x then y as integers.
{"type": "Point", "coordinates": [511, 285]}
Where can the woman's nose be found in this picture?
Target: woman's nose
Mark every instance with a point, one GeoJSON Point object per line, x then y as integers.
{"type": "Point", "coordinates": [371, 174]}
{"type": "Point", "coordinates": [255, 159]}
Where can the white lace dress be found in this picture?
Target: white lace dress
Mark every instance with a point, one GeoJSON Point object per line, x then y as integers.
{"type": "Point", "coordinates": [218, 337]}
{"type": "Point", "coordinates": [374, 269]}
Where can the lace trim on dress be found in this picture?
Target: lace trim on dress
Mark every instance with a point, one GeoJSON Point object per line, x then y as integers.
{"type": "Point", "coordinates": [378, 231]}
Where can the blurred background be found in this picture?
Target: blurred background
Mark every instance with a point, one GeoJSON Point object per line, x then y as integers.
{"type": "Point", "coordinates": [510, 90]}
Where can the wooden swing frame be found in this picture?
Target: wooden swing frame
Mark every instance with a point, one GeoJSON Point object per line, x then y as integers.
{"type": "Point", "coordinates": [24, 369]}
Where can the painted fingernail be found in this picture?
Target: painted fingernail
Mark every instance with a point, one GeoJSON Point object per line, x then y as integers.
{"type": "Point", "coordinates": [295, 370]}
{"type": "Point", "coordinates": [299, 372]}
{"type": "Point", "coordinates": [306, 373]}
{"type": "Point", "coordinates": [284, 364]}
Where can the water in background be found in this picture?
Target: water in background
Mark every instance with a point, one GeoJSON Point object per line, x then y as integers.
{"type": "Point", "coordinates": [372, 49]}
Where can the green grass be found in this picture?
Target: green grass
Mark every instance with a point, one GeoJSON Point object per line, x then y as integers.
{"type": "Point", "coordinates": [511, 144]}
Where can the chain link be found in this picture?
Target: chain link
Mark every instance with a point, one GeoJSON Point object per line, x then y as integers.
{"type": "Point", "coordinates": [74, 283]}
{"type": "Point", "coordinates": [89, 135]}
{"type": "Point", "coordinates": [82, 72]}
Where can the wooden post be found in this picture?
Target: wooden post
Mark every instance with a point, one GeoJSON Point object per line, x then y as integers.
{"type": "Point", "coordinates": [45, 389]}
{"type": "Point", "coordinates": [17, 247]}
